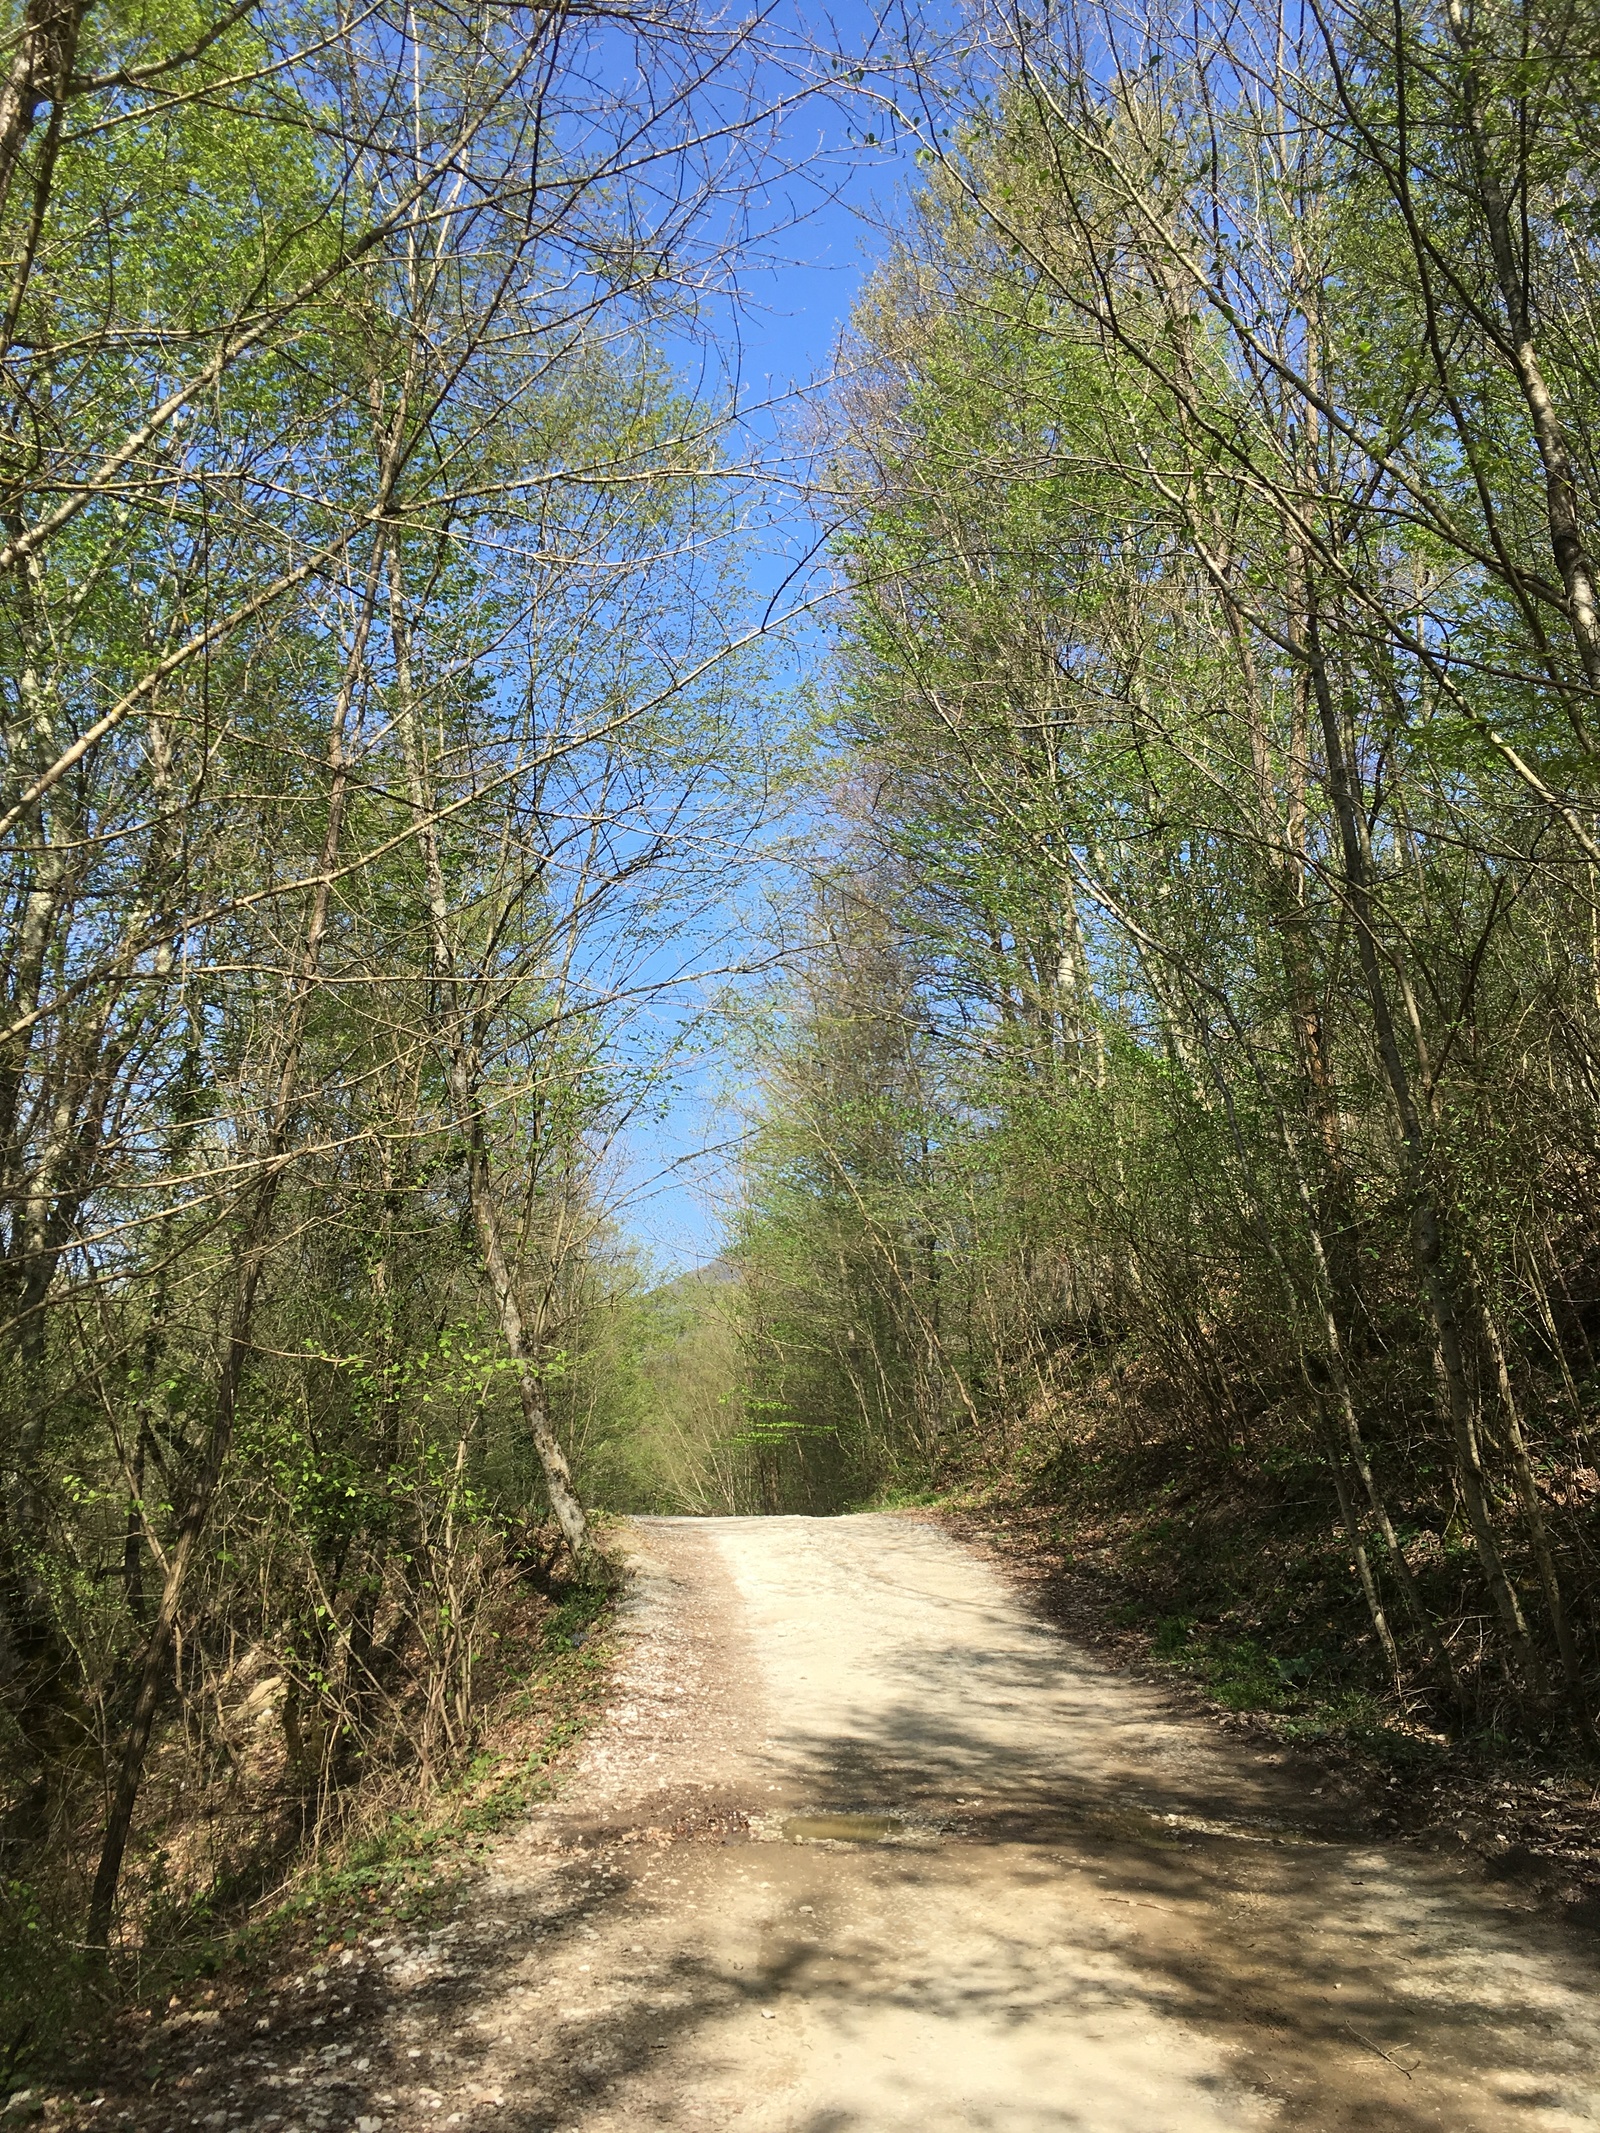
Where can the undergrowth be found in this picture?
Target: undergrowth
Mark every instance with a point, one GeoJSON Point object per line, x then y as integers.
{"type": "Point", "coordinates": [402, 1850]}
{"type": "Point", "coordinates": [1242, 1583]}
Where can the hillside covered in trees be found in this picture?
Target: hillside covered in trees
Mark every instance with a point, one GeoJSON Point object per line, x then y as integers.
{"type": "Point", "coordinates": [1186, 1107]}
{"type": "Point", "coordinates": [1171, 1084]}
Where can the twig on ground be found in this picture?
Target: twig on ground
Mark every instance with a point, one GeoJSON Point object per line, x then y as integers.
{"type": "Point", "coordinates": [1408, 2071]}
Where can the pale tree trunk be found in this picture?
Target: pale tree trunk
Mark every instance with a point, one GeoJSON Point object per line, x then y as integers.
{"type": "Point", "coordinates": [1567, 542]}
{"type": "Point", "coordinates": [468, 1108]}
{"type": "Point", "coordinates": [1427, 1239]}
{"type": "Point", "coordinates": [40, 73]}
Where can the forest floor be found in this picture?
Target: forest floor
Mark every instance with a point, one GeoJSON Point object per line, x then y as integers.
{"type": "Point", "coordinates": [865, 1845]}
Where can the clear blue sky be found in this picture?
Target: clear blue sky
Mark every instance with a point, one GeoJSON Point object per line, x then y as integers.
{"type": "Point", "coordinates": [783, 336]}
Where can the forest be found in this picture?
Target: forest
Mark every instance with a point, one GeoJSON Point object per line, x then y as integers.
{"type": "Point", "coordinates": [1148, 906]}
{"type": "Point", "coordinates": [1183, 1110]}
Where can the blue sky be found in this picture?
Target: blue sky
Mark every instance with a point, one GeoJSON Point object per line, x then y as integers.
{"type": "Point", "coordinates": [783, 335]}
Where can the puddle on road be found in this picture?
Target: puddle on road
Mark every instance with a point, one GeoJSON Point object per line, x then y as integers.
{"type": "Point", "coordinates": [1130, 1825]}
{"type": "Point", "coordinates": [1153, 1830]}
{"type": "Point", "coordinates": [840, 1829]}
{"type": "Point", "coordinates": [1070, 1824]}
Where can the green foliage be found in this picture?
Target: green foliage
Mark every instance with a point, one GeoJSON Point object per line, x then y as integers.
{"type": "Point", "coordinates": [372, 710]}
{"type": "Point", "coordinates": [1187, 1092]}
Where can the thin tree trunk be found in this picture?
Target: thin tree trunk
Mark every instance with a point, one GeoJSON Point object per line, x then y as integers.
{"type": "Point", "coordinates": [153, 1668]}
{"type": "Point", "coordinates": [469, 1111]}
{"type": "Point", "coordinates": [40, 72]}
{"type": "Point", "coordinates": [1426, 1234]}
{"type": "Point", "coordinates": [1358, 1548]}
{"type": "Point", "coordinates": [1567, 542]}
{"type": "Point", "coordinates": [1538, 1531]}
{"type": "Point", "coordinates": [250, 1258]}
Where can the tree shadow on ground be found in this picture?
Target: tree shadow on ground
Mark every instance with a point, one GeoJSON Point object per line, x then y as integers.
{"type": "Point", "coordinates": [1361, 1987]}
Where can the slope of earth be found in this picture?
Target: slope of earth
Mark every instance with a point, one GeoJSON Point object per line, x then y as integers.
{"type": "Point", "coordinates": [866, 1847]}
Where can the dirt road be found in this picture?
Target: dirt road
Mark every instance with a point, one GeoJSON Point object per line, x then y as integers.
{"type": "Point", "coordinates": [1065, 1905]}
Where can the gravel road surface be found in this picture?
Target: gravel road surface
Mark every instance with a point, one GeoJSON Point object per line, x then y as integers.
{"type": "Point", "coordinates": [863, 1846]}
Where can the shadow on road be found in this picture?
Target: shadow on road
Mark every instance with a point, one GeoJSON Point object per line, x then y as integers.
{"type": "Point", "coordinates": [1359, 1985]}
